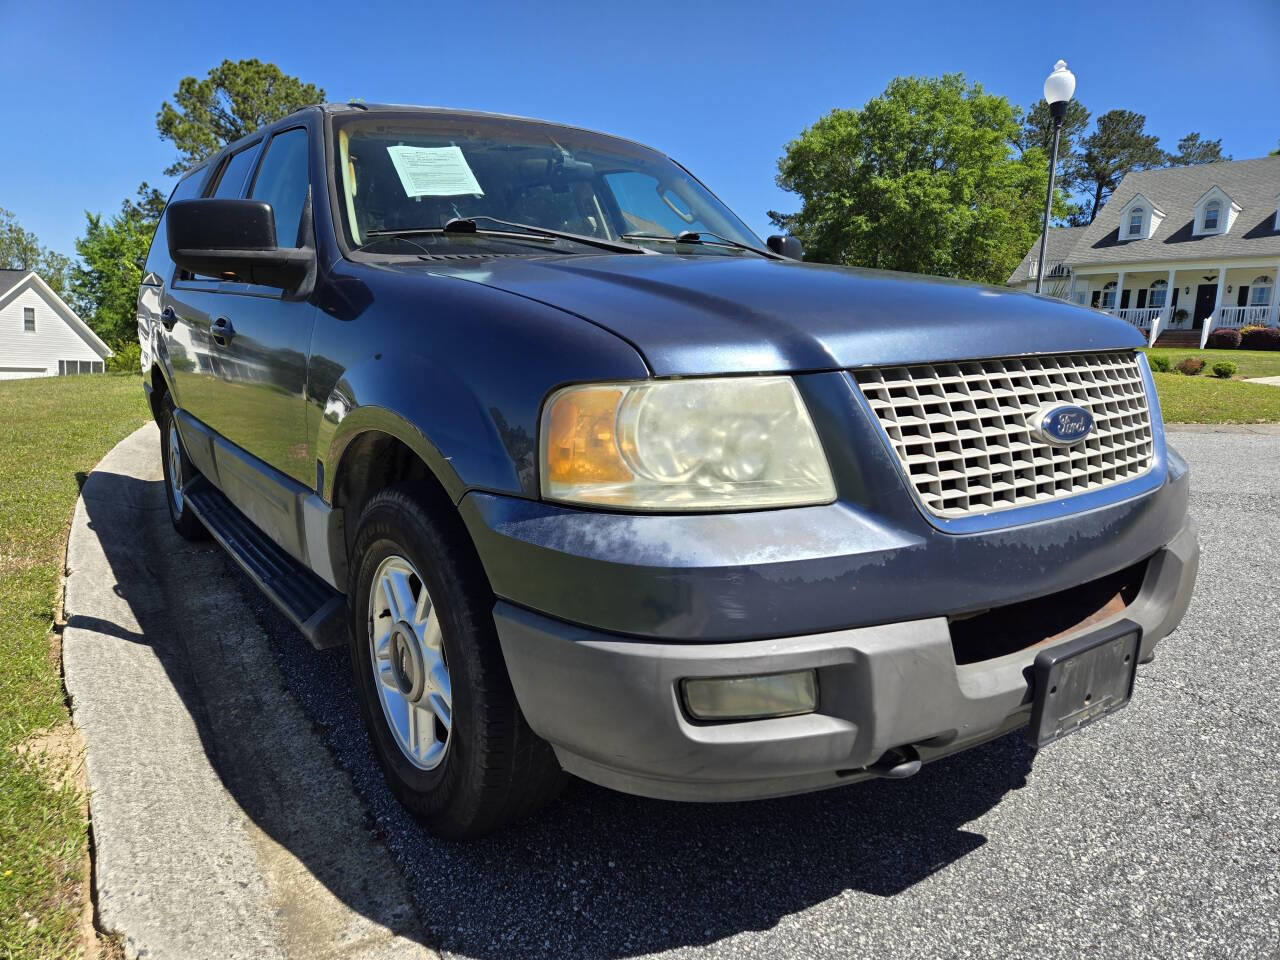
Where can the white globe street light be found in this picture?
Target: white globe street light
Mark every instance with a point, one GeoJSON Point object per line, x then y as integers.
{"type": "Point", "coordinates": [1059, 88]}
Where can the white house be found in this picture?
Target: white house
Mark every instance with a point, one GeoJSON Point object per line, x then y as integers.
{"type": "Point", "coordinates": [41, 336]}
{"type": "Point", "coordinates": [1177, 252]}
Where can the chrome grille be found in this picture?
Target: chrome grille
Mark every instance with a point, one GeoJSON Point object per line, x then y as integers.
{"type": "Point", "coordinates": [963, 433]}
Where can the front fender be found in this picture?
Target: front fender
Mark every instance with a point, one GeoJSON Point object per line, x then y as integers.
{"type": "Point", "coordinates": [424, 407]}
{"type": "Point", "coordinates": [456, 371]}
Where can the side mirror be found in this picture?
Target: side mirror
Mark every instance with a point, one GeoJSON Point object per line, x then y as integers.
{"type": "Point", "coordinates": [789, 247]}
{"type": "Point", "coordinates": [233, 240]}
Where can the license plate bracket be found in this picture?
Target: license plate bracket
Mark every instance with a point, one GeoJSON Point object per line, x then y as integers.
{"type": "Point", "coordinates": [1082, 680]}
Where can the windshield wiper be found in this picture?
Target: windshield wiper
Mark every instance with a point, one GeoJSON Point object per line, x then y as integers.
{"type": "Point", "coordinates": [468, 225]}
{"type": "Point", "coordinates": [527, 231]}
{"type": "Point", "coordinates": [695, 236]}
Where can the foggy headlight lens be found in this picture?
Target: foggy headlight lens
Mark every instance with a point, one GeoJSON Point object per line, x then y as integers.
{"type": "Point", "coordinates": [714, 444]}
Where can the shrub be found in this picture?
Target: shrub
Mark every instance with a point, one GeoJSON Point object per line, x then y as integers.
{"type": "Point", "coordinates": [1224, 369]}
{"type": "Point", "coordinates": [127, 358]}
{"type": "Point", "coordinates": [1260, 338]}
{"type": "Point", "coordinates": [1224, 338]}
{"type": "Point", "coordinates": [1158, 363]}
{"type": "Point", "coordinates": [1191, 366]}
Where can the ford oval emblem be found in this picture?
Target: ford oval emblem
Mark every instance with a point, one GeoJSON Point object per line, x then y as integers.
{"type": "Point", "coordinates": [1062, 424]}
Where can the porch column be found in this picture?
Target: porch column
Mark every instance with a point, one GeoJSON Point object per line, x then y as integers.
{"type": "Point", "coordinates": [1166, 312]}
{"type": "Point", "coordinates": [1275, 298]}
{"type": "Point", "coordinates": [1217, 305]}
{"type": "Point", "coordinates": [1119, 293]}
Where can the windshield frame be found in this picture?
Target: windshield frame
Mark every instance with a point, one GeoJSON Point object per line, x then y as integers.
{"type": "Point", "coordinates": [338, 214]}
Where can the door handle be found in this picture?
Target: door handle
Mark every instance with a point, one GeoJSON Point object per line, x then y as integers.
{"type": "Point", "coordinates": [222, 331]}
{"type": "Point", "coordinates": [168, 317]}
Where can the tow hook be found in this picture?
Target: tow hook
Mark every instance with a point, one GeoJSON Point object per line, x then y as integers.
{"type": "Point", "coordinates": [897, 764]}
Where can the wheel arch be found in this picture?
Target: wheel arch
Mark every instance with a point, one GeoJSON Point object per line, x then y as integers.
{"type": "Point", "coordinates": [377, 458]}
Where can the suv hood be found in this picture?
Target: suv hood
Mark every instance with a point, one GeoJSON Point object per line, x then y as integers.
{"type": "Point", "coordinates": [690, 315]}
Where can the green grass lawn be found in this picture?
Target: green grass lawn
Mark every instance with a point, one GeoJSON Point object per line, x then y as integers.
{"type": "Point", "coordinates": [1249, 363]}
{"type": "Point", "coordinates": [1206, 399]}
{"type": "Point", "coordinates": [50, 430]}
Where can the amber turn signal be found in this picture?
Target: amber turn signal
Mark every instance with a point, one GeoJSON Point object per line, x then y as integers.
{"type": "Point", "coordinates": [581, 446]}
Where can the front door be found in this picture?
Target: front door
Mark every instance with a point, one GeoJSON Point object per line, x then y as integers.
{"type": "Point", "coordinates": [1206, 294]}
{"type": "Point", "coordinates": [254, 339]}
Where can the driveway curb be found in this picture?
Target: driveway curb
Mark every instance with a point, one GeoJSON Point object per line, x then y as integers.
{"type": "Point", "coordinates": [222, 828]}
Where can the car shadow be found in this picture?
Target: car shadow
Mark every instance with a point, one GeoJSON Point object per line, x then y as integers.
{"type": "Point", "coordinates": [597, 873]}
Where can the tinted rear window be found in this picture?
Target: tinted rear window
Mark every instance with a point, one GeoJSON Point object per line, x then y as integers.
{"type": "Point", "coordinates": [235, 171]}
{"type": "Point", "coordinates": [158, 261]}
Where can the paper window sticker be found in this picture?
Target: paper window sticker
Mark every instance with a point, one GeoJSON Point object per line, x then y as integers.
{"type": "Point", "coordinates": [434, 171]}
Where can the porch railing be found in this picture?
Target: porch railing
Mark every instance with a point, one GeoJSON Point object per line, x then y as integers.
{"type": "Point", "coordinates": [1140, 317]}
{"type": "Point", "coordinates": [1236, 317]}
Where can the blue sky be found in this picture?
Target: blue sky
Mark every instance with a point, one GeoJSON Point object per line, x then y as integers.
{"type": "Point", "coordinates": [720, 86]}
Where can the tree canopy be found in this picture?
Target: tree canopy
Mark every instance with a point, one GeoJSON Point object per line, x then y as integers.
{"type": "Point", "coordinates": [923, 178]}
{"type": "Point", "coordinates": [236, 98]}
{"type": "Point", "coordinates": [1192, 150]}
{"type": "Point", "coordinates": [1118, 146]}
{"type": "Point", "coordinates": [1037, 128]}
{"type": "Point", "coordinates": [20, 249]}
{"type": "Point", "coordinates": [112, 253]}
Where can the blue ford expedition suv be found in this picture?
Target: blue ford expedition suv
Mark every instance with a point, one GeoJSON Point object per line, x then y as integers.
{"type": "Point", "coordinates": [590, 479]}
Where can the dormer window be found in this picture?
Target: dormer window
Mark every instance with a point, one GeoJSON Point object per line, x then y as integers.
{"type": "Point", "coordinates": [1139, 219]}
{"type": "Point", "coordinates": [1215, 212]}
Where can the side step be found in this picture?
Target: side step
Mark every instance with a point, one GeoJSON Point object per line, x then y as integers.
{"type": "Point", "coordinates": [318, 610]}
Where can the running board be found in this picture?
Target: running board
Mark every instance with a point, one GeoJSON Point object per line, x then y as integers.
{"type": "Point", "coordinates": [318, 610]}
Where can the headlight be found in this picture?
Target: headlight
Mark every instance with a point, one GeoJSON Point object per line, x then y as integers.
{"type": "Point", "coordinates": [715, 444]}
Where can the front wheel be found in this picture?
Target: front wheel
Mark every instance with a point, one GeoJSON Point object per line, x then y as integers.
{"type": "Point", "coordinates": [433, 686]}
{"type": "Point", "coordinates": [178, 471]}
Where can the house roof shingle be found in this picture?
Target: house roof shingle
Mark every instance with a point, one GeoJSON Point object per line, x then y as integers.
{"type": "Point", "coordinates": [1061, 241]}
{"type": "Point", "coordinates": [1253, 184]}
{"type": "Point", "coordinates": [9, 277]}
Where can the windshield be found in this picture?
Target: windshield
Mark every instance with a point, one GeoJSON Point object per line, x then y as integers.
{"type": "Point", "coordinates": [403, 176]}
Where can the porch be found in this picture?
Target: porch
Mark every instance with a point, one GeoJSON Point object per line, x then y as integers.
{"type": "Point", "coordinates": [1188, 302]}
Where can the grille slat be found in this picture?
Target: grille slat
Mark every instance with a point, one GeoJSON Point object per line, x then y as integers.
{"type": "Point", "coordinates": [963, 434]}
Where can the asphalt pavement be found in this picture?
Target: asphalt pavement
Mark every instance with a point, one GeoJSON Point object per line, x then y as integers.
{"type": "Point", "coordinates": [1155, 833]}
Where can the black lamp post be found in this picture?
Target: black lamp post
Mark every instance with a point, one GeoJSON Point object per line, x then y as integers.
{"type": "Point", "coordinates": [1058, 90]}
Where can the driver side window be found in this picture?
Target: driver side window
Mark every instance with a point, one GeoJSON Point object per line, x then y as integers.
{"type": "Point", "coordinates": [646, 210]}
{"type": "Point", "coordinates": [282, 181]}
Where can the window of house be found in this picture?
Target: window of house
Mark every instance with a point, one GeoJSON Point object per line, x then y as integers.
{"type": "Point", "coordinates": [282, 181]}
{"type": "Point", "coordinates": [1260, 292]}
{"type": "Point", "coordinates": [1211, 211]}
{"type": "Point", "coordinates": [1159, 292]}
{"type": "Point", "coordinates": [1109, 295]}
{"type": "Point", "coordinates": [1135, 222]}
{"type": "Point", "coordinates": [29, 319]}
{"type": "Point", "coordinates": [68, 368]}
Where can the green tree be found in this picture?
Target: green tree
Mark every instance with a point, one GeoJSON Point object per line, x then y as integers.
{"type": "Point", "coordinates": [20, 249]}
{"type": "Point", "coordinates": [923, 178]}
{"type": "Point", "coordinates": [1192, 151]}
{"type": "Point", "coordinates": [112, 253]}
{"type": "Point", "coordinates": [1118, 146]}
{"type": "Point", "coordinates": [236, 98]}
{"type": "Point", "coordinates": [1037, 129]}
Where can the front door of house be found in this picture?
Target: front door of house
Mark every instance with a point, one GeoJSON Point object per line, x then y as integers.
{"type": "Point", "coordinates": [1206, 294]}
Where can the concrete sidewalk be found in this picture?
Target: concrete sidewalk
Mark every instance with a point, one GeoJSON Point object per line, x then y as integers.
{"type": "Point", "coordinates": [221, 826]}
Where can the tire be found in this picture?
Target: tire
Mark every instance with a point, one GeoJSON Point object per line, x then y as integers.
{"type": "Point", "coordinates": [474, 767]}
{"type": "Point", "coordinates": [174, 459]}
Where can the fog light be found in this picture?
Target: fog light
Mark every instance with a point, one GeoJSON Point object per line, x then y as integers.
{"type": "Point", "coordinates": [751, 698]}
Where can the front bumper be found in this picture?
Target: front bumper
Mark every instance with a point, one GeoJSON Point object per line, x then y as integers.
{"type": "Point", "coordinates": [601, 614]}
{"type": "Point", "coordinates": [610, 705]}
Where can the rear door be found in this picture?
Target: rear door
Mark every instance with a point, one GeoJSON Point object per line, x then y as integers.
{"type": "Point", "coordinates": [254, 340]}
{"type": "Point", "coordinates": [157, 275]}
